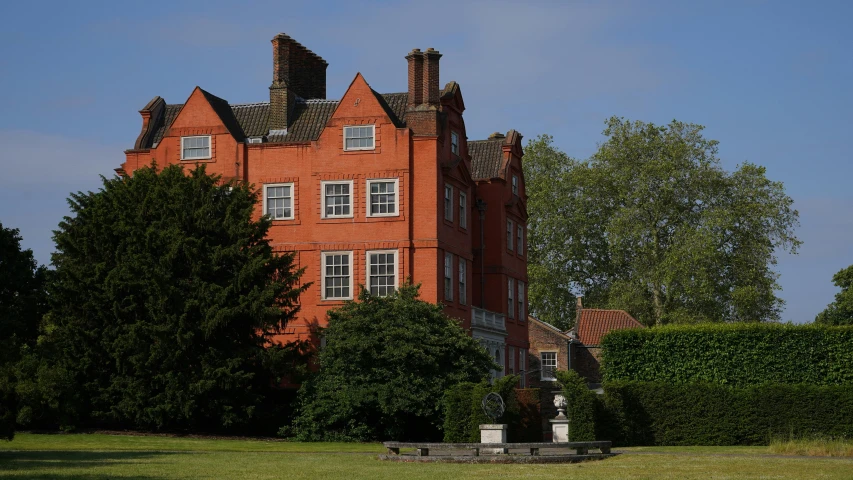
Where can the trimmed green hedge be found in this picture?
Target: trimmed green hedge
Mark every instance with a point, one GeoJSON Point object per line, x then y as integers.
{"type": "Point", "coordinates": [463, 412]}
{"type": "Point", "coordinates": [731, 354]}
{"type": "Point", "coordinates": [654, 413]}
{"type": "Point", "coordinates": [580, 406]}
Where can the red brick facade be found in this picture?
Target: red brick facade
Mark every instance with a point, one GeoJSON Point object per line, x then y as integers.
{"type": "Point", "coordinates": [414, 151]}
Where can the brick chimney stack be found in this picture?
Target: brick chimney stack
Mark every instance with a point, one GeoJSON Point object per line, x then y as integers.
{"type": "Point", "coordinates": [431, 89]}
{"type": "Point", "coordinates": [296, 72]}
{"type": "Point", "coordinates": [424, 104]}
{"type": "Point", "coordinates": [578, 310]}
{"type": "Point", "coordinates": [416, 77]}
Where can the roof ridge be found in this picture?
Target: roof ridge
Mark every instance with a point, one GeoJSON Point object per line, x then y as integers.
{"type": "Point", "coordinates": [255, 104]}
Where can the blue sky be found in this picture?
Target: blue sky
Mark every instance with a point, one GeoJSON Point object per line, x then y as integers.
{"type": "Point", "coordinates": [771, 80]}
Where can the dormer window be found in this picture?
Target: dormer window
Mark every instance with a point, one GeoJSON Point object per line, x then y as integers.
{"type": "Point", "coordinates": [454, 143]}
{"type": "Point", "coordinates": [359, 137]}
{"type": "Point", "coordinates": [195, 148]}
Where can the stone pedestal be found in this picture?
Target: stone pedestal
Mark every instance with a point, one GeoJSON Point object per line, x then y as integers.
{"type": "Point", "coordinates": [493, 433]}
{"type": "Point", "coordinates": [560, 429]}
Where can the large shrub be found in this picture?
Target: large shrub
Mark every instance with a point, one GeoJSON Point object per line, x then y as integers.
{"type": "Point", "coordinates": [731, 354]}
{"type": "Point", "coordinates": [383, 372]}
{"type": "Point", "coordinates": [165, 295]}
{"type": "Point", "coordinates": [655, 413]}
{"type": "Point", "coordinates": [580, 406]}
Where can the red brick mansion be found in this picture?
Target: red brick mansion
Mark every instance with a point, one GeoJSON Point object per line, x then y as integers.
{"type": "Point", "coordinates": [369, 190]}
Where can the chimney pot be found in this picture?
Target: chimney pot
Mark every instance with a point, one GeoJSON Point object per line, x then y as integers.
{"type": "Point", "coordinates": [496, 135]}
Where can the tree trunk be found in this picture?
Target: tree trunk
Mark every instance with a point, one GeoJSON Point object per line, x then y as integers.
{"type": "Point", "coordinates": [656, 296]}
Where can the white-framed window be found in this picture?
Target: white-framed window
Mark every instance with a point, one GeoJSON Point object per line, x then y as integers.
{"type": "Point", "coordinates": [515, 185]}
{"type": "Point", "coordinates": [522, 313]}
{"type": "Point", "coordinates": [548, 363]}
{"type": "Point", "coordinates": [499, 361]}
{"type": "Point", "coordinates": [448, 276]}
{"type": "Point", "coordinates": [463, 210]}
{"type": "Point", "coordinates": [519, 241]}
{"type": "Point", "coordinates": [255, 140]}
{"type": "Point", "coordinates": [381, 272]}
{"type": "Point", "coordinates": [195, 148]}
{"type": "Point", "coordinates": [337, 275]}
{"type": "Point", "coordinates": [382, 197]}
{"type": "Point", "coordinates": [511, 360]}
{"type": "Point", "coordinates": [463, 285]}
{"type": "Point", "coordinates": [454, 143]}
{"type": "Point", "coordinates": [359, 137]}
{"type": "Point", "coordinates": [448, 202]}
{"type": "Point", "coordinates": [278, 201]}
{"type": "Point", "coordinates": [522, 366]}
{"type": "Point", "coordinates": [510, 234]}
{"type": "Point", "coordinates": [510, 294]}
{"type": "Point", "coordinates": [337, 198]}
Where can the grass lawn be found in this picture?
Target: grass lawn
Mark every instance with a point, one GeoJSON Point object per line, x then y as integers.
{"type": "Point", "coordinates": [95, 456]}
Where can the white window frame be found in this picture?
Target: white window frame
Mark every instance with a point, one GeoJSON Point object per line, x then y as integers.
{"type": "Point", "coordinates": [367, 268]}
{"type": "Point", "coordinates": [292, 200]}
{"type": "Point", "coordinates": [510, 297]}
{"type": "Point", "coordinates": [323, 198]}
{"type": "Point", "coordinates": [454, 143]}
{"type": "Point", "coordinates": [325, 255]}
{"type": "Point", "coordinates": [448, 197]}
{"type": "Point", "coordinates": [543, 369]}
{"type": "Point", "coordinates": [519, 239]}
{"type": "Point", "coordinates": [448, 276]}
{"type": "Point", "coordinates": [515, 185]}
{"type": "Point", "coordinates": [522, 310]}
{"type": "Point", "coordinates": [463, 210]}
{"type": "Point", "coordinates": [463, 281]}
{"type": "Point", "coordinates": [396, 182]}
{"type": "Point", "coordinates": [209, 147]}
{"type": "Point", "coordinates": [510, 234]}
{"type": "Point", "coordinates": [373, 135]}
{"type": "Point", "coordinates": [251, 140]}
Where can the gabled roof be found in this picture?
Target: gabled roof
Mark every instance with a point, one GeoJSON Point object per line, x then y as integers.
{"type": "Point", "coordinates": [251, 120]}
{"type": "Point", "coordinates": [486, 158]}
{"type": "Point", "coordinates": [594, 323]}
{"type": "Point", "coordinates": [533, 321]}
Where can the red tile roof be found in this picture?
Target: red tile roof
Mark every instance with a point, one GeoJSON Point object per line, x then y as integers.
{"type": "Point", "coordinates": [594, 323]}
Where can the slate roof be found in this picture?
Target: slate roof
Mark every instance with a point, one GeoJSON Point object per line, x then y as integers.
{"type": "Point", "coordinates": [486, 158]}
{"type": "Point", "coordinates": [309, 117]}
{"type": "Point", "coordinates": [594, 323]}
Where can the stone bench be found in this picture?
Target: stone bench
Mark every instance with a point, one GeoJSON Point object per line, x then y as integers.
{"type": "Point", "coordinates": [580, 448]}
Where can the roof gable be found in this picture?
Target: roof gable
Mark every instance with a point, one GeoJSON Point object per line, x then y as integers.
{"type": "Point", "coordinates": [595, 323]}
{"type": "Point", "coordinates": [362, 101]}
{"type": "Point", "coordinates": [206, 103]}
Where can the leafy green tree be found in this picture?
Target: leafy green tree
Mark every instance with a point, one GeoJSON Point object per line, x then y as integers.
{"type": "Point", "coordinates": [384, 370]}
{"type": "Point", "coordinates": [840, 312]}
{"type": "Point", "coordinates": [652, 224]}
{"type": "Point", "coordinates": [165, 295]}
{"type": "Point", "coordinates": [22, 303]}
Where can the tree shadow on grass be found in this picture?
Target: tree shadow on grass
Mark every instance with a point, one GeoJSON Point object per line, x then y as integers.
{"type": "Point", "coordinates": [71, 462]}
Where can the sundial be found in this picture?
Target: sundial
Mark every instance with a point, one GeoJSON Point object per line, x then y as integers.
{"type": "Point", "coordinates": [493, 406]}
